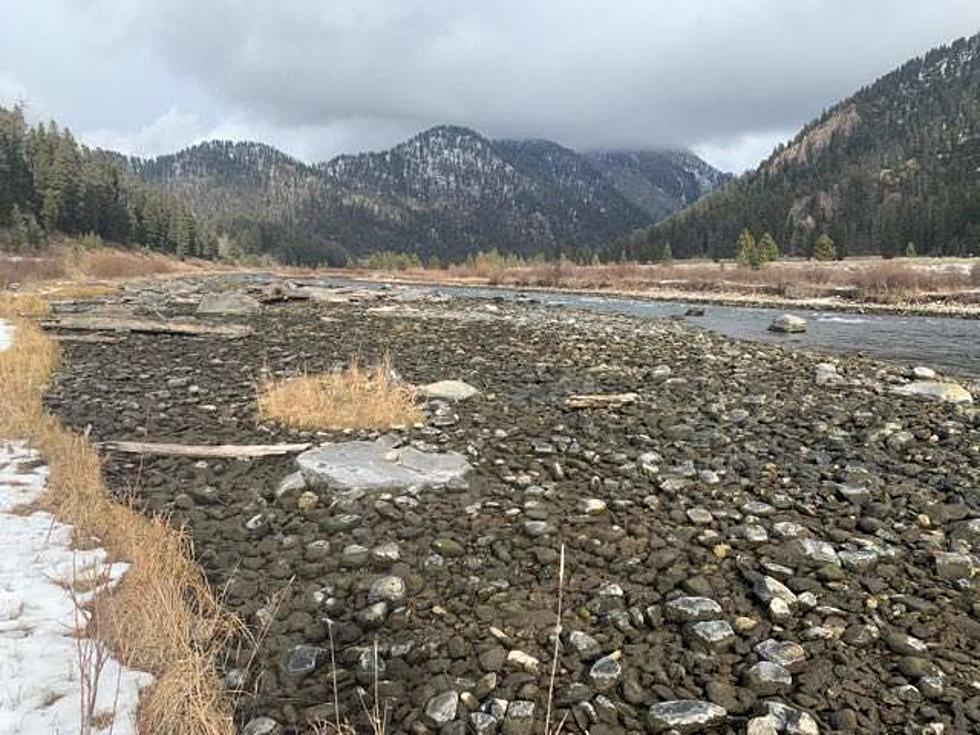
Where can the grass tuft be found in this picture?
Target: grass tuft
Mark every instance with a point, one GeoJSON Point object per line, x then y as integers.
{"type": "Point", "coordinates": [353, 398]}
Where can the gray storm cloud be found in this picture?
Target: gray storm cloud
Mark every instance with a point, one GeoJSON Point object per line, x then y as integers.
{"type": "Point", "coordinates": [728, 77]}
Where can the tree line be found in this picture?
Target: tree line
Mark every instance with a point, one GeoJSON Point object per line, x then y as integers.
{"type": "Point", "coordinates": [49, 183]}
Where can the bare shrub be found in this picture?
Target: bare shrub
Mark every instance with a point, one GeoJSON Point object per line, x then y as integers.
{"type": "Point", "coordinates": [91, 648]}
{"type": "Point", "coordinates": [353, 398]}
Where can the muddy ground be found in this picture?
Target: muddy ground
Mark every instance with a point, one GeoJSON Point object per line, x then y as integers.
{"type": "Point", "coordinates": [720, 482]}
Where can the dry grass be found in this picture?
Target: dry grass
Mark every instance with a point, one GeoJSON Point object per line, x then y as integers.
{"type": "Point", "coordinates": [112, 263]}
{"type": "Point", "coordinates": [22, 305]}
{"type": "Point", "coordinates": [353, 398]}
{"type": "Point", "coordinates": [81, 291]}
{"type": "Point", "coordinates": [20, 269]}
{"type": "Point", "coordinates": [163, 617]}
{"type": "Point", "coordinates": [66, 260]}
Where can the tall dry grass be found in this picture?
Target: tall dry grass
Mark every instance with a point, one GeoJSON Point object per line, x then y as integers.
{"type": "Point", "coordinates": [22, 304]}
{"type": "Point", "coordinates": [20, 269]}
{"type": "Point", "coordinates": [355, 397]}
{"type": "Point", "coordinates": [68, 261]}
{"type": "Point", "coordinates": [163, 617]}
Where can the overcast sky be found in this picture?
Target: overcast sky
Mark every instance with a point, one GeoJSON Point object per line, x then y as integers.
{"type": "Point", "coordinates": [727, 78]}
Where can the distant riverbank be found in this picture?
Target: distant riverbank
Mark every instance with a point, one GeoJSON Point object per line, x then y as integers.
{"type": "Point", "coordinates": [930, 288]}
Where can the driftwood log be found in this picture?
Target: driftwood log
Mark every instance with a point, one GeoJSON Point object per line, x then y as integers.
{"type": "Point", "coordinates": [224, 451]}
{"type": "Point", "coordinates": [89, 323]}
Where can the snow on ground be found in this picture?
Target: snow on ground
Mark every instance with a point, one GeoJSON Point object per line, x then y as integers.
{"type": "Point", "coordinates": [6, 335]}
{"type": "Point", "coordinates": [40, 685]}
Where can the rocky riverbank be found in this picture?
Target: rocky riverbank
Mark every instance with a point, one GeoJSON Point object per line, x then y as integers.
{"type": "Point", "coordinates": [955, 306]}
{"type": "Point", "coordinates": [755, 538]}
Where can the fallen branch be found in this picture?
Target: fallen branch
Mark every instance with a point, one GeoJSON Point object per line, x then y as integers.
{"type": "Point", "coordinates": [232, 451]}
{"type": "Point", "coordinates": [86, 323]}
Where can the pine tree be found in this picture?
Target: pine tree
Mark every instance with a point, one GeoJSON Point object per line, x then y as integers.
{"type": "Point", "coordinates": [823, 248]}
{"type": "Point", "coordinates": [19, 235]}
{"type": "Point", "coordinates": [662, 253]}
{"type": "Point", "coordinates": [746, 251]}
{"type": "Point", "coordinates": [768, 250]}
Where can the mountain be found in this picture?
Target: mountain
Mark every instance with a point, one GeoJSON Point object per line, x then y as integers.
{"type": "Point", "coordinates": [445, 192]}
{"type": "Point", "coordinates": [232, 178]}
{"type": "Point", "coordinates": [659, 182]}
{"type": "Point", "coordinates": [896, 163]}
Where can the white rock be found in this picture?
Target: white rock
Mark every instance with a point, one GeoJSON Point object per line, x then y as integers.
{"type": "Point", "coordinates": [591, 506]}
{"type": "Point", "coordinates": [685, 715]}
{"type": "Point", "coordinates": [449, 390]}
{"type": "Point", "coordinates": [934, 390]}
{"type": "Point", "coordinates": [788, 323]}
{"type": "Point", "coordinates": [378, 466]}
{"type": "Point", "coordinates": [520, 660]}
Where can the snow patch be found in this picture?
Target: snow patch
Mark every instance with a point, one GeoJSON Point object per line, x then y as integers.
{"type": "Point", "coordinates": [6, 335]}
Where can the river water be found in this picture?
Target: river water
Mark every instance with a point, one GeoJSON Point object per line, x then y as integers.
{"type": "Point", "coordinates": [945, 343]}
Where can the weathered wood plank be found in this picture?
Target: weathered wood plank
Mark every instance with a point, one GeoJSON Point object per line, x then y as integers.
{"type": "Point", "coordinates": [225, 451]}
{"type": "Point", "coordinates": [90, 323]}
{"type": "Point", "coordinates": [611, 400]}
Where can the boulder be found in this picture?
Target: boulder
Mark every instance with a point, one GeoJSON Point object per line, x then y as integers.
{"type": "Point", "coordinates": [936, 390]}
{"type": "Point", "coordinates": [788, 324]}
{"type": "Point", "coordinates": [228, 303]}
{"type": "Point", "coordinates": [378, 466]}
{"type": "Point", "coordinates": [449, 390]}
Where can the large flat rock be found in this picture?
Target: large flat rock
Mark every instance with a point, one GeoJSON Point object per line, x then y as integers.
{"type": "Point", "coordinates": [228, 303]}
{"type": "Point", "coordinates": [936, 390]}
{"type": "Point", "coordinates": [449, 390]}
{"type": "Point", "coordinates": [376, 466]}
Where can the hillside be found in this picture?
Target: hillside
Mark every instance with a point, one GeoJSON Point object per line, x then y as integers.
{"type": "Point", "coordinates": [896, 163]}
{"type": "Point", "coordinates": [446, 192]}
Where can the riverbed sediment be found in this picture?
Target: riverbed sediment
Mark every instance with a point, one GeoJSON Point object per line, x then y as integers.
{"type": "Point", "coordinates": [761, 526]}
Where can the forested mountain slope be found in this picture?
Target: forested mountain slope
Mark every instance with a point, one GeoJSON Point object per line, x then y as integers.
{"type": "Point", "coordinates": [896, 163]}
{"type": "Point", "coordinates": [445, 192]}
{"type": "Point", "coordinates": [49, 183]}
